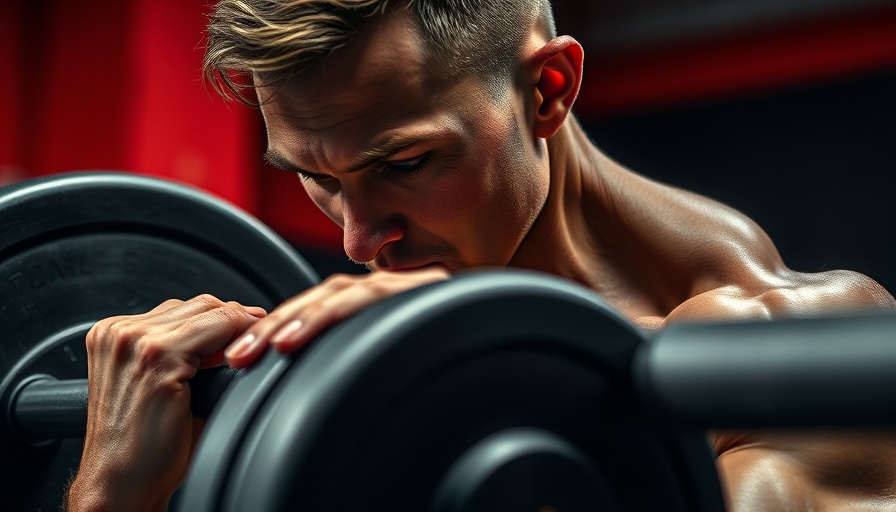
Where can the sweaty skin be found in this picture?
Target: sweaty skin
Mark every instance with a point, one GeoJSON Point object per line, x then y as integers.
{"type": "Point", "coordinates": [428, 178]}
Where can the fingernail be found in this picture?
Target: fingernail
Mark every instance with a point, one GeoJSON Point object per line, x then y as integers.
{"type": "Point", "coordinates": [287, 332]}
{"type": "Point", "coordinates": [241, 347]}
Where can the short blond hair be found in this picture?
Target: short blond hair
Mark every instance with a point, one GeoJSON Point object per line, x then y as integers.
{"type": "Point", "coordinates": [284, 40]}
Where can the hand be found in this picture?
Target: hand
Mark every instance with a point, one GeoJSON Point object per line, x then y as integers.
{"type": "Point", "coordinates": [300, 319]}
{"type": "Point", "coordinates": [140, 431]}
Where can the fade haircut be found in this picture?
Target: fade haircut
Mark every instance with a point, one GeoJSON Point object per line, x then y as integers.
{"type": "Point", "coordinates": [286, 40]}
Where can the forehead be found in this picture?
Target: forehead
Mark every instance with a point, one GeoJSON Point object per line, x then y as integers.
{"type": "Point", "coordinates": [385, 64]}
{"type": "Point", "coordinates": [378, 89]}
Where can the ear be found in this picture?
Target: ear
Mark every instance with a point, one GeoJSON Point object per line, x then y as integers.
{"type": "Point", "coordinates": [557, 71]}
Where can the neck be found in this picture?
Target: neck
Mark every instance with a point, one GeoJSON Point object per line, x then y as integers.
{"type": "Point", "coordinates": [569, 236]}
{"type": "Point", "coordinates": [600, 227]}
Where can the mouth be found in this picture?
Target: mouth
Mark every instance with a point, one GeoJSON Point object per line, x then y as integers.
{"type": "Point", "coordinates": [411, 267]}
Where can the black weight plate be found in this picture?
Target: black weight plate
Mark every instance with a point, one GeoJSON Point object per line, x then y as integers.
{"type": "Point", "coordinates": [522, 469]}
{"type": "Point", "coordinates": [223, 437]}
{"type": "Point", "coordinates": [77, 248]}
{"type": "Point", "coordinates": [376, 413]}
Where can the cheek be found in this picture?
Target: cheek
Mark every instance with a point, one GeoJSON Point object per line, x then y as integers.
{"type": "Point", "coordinates": [519, 182]}
{"type": "Point", "coordinates": [493, 198]}
{"type": "Point", "coordinates": [447, 204]}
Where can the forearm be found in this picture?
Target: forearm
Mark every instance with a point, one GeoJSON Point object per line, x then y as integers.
{"type": "Point", "coordinates": [818, 470]}
{"type": "Point", "coordinates": [89, 494]}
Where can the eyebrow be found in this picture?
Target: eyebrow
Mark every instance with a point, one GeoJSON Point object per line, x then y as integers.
{"type": "Point", "coordinates": [364, 160]}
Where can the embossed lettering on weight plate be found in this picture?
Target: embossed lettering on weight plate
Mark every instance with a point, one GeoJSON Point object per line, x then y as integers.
{"type": "Point", "coordinates": [35, 275]}
{"type": "Point", "coordinates": [39, 274]}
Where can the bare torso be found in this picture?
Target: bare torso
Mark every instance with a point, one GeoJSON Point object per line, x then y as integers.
{"type": "Point", "coordinates": [663, 255]}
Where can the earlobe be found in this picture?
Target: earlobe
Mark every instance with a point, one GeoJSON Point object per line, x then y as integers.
{"type": "Point", "coordinates": [558, 65]}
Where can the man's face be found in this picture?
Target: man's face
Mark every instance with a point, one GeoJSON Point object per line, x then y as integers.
{"type": "Point", "coordinates": [416, 172]}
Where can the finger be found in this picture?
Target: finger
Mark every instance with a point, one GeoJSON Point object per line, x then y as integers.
{"type": "Point", "coordinates": [252, 344]}
{"type": "Point", "coordinates": [255, 311]}
{"type": "Point", "coordinates": [210, 331]}
{"type": "Point", "coordinates": [296, 322]}
{"type": "Point", "coordinates": [179, 313]}
{"type": "Point", "coordinates": [206, 301]}
{"type": "Point", "coordinates": [346, 301]}
{"type": "Point", "coordinates": [298, 333]}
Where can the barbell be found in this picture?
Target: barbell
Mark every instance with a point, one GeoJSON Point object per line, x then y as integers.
{"type": "Point", "coordinates": [79, 247]}
{"type": "Point", "coordinates": [491, 391]}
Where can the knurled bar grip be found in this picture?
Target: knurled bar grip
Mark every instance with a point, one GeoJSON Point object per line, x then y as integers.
{"type": "Point", "coordinates": [799, 372]}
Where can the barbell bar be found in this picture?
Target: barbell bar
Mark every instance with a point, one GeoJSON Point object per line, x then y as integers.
{"type": "Point", "coordinates": [795, 372]}
{"type": "Point", "coordinates": [800, 372]}
{"type": "Point", "coordinates": [45, 408]}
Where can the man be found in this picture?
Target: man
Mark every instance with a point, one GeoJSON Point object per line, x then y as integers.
{"type": "Point", "coordinates": [438, 135]}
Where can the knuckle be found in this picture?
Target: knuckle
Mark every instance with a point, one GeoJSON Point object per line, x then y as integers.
{"type": "Point", "coordinates": [208, 300]}
{"type": "Point", "coordinates": [339, 281]}
{"type": "Point", "coordinates": [148, 352]}
{"type": "Point", "coordinates": [228, 315]}
{"type": "Point", "coordinates": [154, 356]}
{"type": "Point", "coordinates": [197, 324]}
{"type": "Point", "coordinates": [96, 334]}
{"type": "Point", "coordinates": [379, 287]}
{"type": "Point", "coordinates": [321, 317]}
{"type": "Point", "coordinates": [124, 335]}
{"type": "Point", "coordinates": [112, 333]}
{"type": "Point", "coordinates": [315, 310]}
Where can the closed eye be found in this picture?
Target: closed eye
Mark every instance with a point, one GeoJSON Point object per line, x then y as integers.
{"type": "Point", "coordinates": [305, 176]}
{"type": "Point", "coordinates": [407, 167]}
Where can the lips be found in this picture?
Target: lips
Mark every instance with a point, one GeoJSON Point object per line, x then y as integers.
{"type": "Point", "coordinates": [411, 266]}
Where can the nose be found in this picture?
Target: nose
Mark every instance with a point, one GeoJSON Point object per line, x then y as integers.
{"type": "Point", "coordinates": [370, 222]}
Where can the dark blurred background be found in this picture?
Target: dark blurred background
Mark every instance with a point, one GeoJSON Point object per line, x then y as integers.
{"type": "Point", "coordinates": [784, 109]}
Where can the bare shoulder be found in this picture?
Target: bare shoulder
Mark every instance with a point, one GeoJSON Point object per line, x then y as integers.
{"type": "Point", "coordinates": [740, 273]}
{"type": "Point", "coordinates": [787, 294]}
{"type": "Point", "coordinates": [713, 262]}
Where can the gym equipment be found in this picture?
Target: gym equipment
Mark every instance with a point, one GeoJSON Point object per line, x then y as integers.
{"type": "Point", "coordinates": [517, 391]}
{"type": "Point", "coordinates": [79, 247]}
{"type": "Point", "coordinates": [493, 390]}
{"type": "Point", "coordinates": [801, 372]}
{"type": "Point", "coordinates": [490, 391]}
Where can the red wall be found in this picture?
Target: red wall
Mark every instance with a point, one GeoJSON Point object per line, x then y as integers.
{"type": "Point", "coordinates": [11, 94]}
